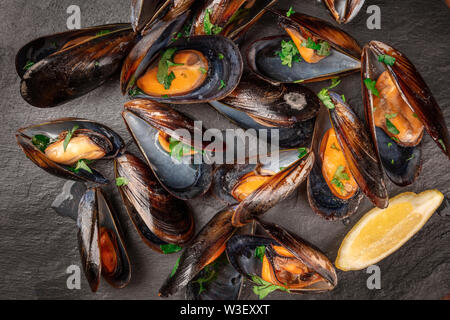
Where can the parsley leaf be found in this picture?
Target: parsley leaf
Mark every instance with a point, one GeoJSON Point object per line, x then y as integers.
{"type": "Point", "coordinates": [302, 152]}
{"type": "Point", "coordinates": [370, 85]}
{"type": "Point", "coordinates": [442, 144]}
{"type": "Point", "coordinates": [340, 174]}
{"type": "Point", "coordinates": [410, 158]}
{"type": "Point", "coordinates": [322, 48]}
{"type": "Point", "coordinates": [178, 149]}
{"type": "Point", "coordinates": [386, 59]}
{"type": "Point", "coordinates": [69, 136]}
{"type": "Point", "coordinates": [203, 70]}
{"type": "Point", "coordinates": [395, 139]}
{"type": "Point", "coordinates": [170, 248]}
{"type": "Point", "coordinates": [102, 33]}
{"type": "Point", "coordinates": [259, 252]}
{"type": "Point", "coordinates": [389, 144]}
{"type": "Point", "coordinates": [333, 146]}
{"type": "Point", "coordinates": [289, 53]}
{"type": "Point", "coordinates": [28, 65]}
{"type": "Point", "coordinates": [40, 141]}
{"type": "Point", "coordinates": [263, 288]}
{"type": "Point", "coordinates": [337, 183]}
{"type": "Point", "coordinates": [209, 274]}
{"type": "Point", "coordinates": [208, 27]}
{"type": "Point", "coordinates": [135, 91]}
{"type": "Point", "coordinates": [221, 56]}
{"type": "Point", "coordinates": [82, 164]}
{"type": "Point", "coordinates": [175, 267]}
{"type": "Point", "coordinates": [390, 115]}
{"type": "Point", "coordinates": [325, 97]}
{"type": "Point", "coordinates": [343, 98]}
{"type": "Point", "coordinates": [121, 181]}
{"type": "Point", "coordinates": [163, 75]}
{"type": "Point", "coordinates": [222, 84]}
{"type": "Point", "coordinates": [290, 12]}
{"type": "Point", "coordinates": [391, 128]}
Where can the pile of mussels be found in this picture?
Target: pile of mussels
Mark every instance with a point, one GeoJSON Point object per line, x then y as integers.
{"type": "Point", "coordinates": [181, 52]}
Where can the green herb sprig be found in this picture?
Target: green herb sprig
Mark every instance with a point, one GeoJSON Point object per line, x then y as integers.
{"type": "Point", "coordinates": [263, 288]}
{"type": "Point", "coordinates": [69, 135]}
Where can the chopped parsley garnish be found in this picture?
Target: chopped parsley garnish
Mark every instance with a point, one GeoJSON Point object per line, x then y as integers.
{"type": "Point", "coordinates": [208, 27]}
{"type": "Point", "coordinates": [410, 158]}
{"type": "Point", "coordinates": [282, 168]}
{"type": "Point", "coordinates": [386, 59]}
{"type": "Point", "coordinates": [170, 248]}
{"type": "Point", "coordinates": [102, 33]}
{"type": "Point", "coordinates": [69, 136]}
{"type": "Point", "coordinates": [222, 84]}
{"type": "Point", "coordinates": [322, 48]}
{"type": "Point", "coordinates": [340, 175]}
{"type": "Point", "coordinates": [97, 63]}
{"type": "Point", "coordinates": [392, 161]}
{"type": "Point", "coordinates": [391, 128]}
{"type": "Point", "coordinates": [175, 267]}
{"type": "Point", "coordinates": [442, 144]}
{"type": "Point", "coordinates": [209, 274]}
{"type": "Point", "coordinates": [343, 98]}
{"type": "Point", "coordinates": [395, 139]}
{"type": "Point", "coordinates": [370, 85]}
{"type": "Point", "coordinates": [221, 56]}
{"type": "Point", "coordinates": [165, 96]}
{"type": "Point", "coordinates": [203, 70]}
{"type": "Point", "coordinates": [325, 97]}
{"type": "Point", "coordinates": [163, 75]}
{"type": "Point", "coordinates": [178, 149]}
{"type": "Point", "coordinates": [135, 91]}
{"type": "Point", "coordinates": [121, 181]}
{"type": "Point", "coordinates": [40, 141]}
{"type": "Point", "coordinates": [390, 115]}
{"type": "Point", "coordinates": [263, 288]}
{"type": "Point", "coordinates": [302, 152]}
{"type": "Point", "coordinates": [259, 252]}
{"type": "Point", "coordinates": [299, 81]}
{"type": "Point", "coordinates": [177, 36]}
{"type": "Point", "coordinates": [289, 53]}
{"type": "Point", "coordinates": [81, 164]}
{"type": "Point", "coordinates": [290, 12]}
{"type": "Point", "coordinates": [28, 65]}
{"type": "Point", "coordinates": [333, 146]}
{"type": "Point", "coordinates": [415, 115]}
{"type": "Point", "coordinates": [389, 144]}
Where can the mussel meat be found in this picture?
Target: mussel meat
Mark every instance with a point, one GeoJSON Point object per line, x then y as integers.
{"type": "Point", "coordinates": [65, 147]}
{"type": "Point", "coordinates": [398, 107]}
{"type": "Point", "coordinates": [100, 242]}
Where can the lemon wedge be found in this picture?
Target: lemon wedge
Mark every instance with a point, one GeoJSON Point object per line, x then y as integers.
{"type": "Point", "coordinates": [380, 232]}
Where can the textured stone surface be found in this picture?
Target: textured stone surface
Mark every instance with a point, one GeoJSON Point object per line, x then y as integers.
{"type": "Point", "coordinates": [37, 245]}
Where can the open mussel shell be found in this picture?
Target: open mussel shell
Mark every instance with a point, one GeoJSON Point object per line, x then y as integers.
{"type": "Point", "coordinates": [344, 11]}
{"type": "Point", "coordinates": [159, 218]}
{"type": "Point", "coordinates": [402, 164]}
{"type": "Point", "coordinates": [101, 245]}
{"type": "Point", "coordinates": [318, 274]}
{"type": "Point", "coordinates": [266, 64]}
{"type": "Point", "coordinates": [70, 64]}
{"type": "Point", "coordinates": [225, 68]}
{"type": "Point", "coordinates": [157, 38]}
{"type": "Point", "coordinates": [184, 178]}
{"type": "Point", "coordinates": [358, 150]}
{"type": "Point", "coordinates": [233, 18]}
{"type": "Point", "coordinates": [280, 186]}
{"type": "Point", "coordinates": [145, 13]}
{"type": "Point", "coordinates": [207, 246]}
{"type": "Point", "coordinates": [52, 130]}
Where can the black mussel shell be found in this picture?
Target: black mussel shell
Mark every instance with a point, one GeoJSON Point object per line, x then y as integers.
{"type": "Point", "coordinates": [52, 130]}
{"type": "Point", "coordinates": [184, 178]}
{"type": "Point", "coordinates": [225, 69]}
{"type": "Point", "coordinates": [60, 74]}
{"type": "Point", "coordinates": [241, 254]}
{"type": "Point", "coordinates": [158, 217]}
{"type": "Point", "coordinates": [204, 248]}
{"type": "Point", "coordinates": [402, 164]}
{"type": "Point", "coordinates": [344, 11]}
{"type": "Point", "coordinates": [266, 64]}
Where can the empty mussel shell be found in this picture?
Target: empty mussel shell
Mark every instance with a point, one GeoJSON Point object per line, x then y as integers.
{"type": "Point", "coordinates": [346, 165]}
{"type": "Point", "coordinates": [207, 246]}
{"type": "Point", "coordinates": [95, 139]}
{"type": "Point", "coordinates": [58, 68]}
{"type": "Point", "coordinates": [343, 56]}
{"type": "Point", "coordinates": [159, 218]}
{"type": "Point", "coordinates": [398, 113]}
{"type": "Point", "coordinates": [187, 176]}
{"type": "Point", "coordinates": [204, 68]}
{"type": "Point", "coordinates": [100, 242]}
{"type": "Point", "coordinates": [282, 259]}
{"type": "Point", "coordinates": [344, 11]}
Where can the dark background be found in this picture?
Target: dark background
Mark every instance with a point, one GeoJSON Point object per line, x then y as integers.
{"type": "Point", "coordinates": [37, 245]}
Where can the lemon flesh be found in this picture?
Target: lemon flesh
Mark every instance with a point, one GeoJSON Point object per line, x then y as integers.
{"type": "Point", "coordinates": [380, 232]}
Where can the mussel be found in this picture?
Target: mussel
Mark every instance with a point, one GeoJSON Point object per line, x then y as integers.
{"type": "Point", "coordinates": [230, 18]}
{"type": "Point", "coordinates": [202, 254]}
{"type": "Point", "coordinates": [398, 107]}
{"type": "Point", "coordinates": [344, 11]}
{"type": "Point", "coordinates": [346, 164]}
{"type": "Point", "coordinates": [100, 242]}
{"type": "Point", "coordinates": [65, 147]}
{"type": "Point", "coordinates": [175, 159]}
{"type": "Point", "coordinates": [260, 186]}
{"type": "Point", "coordinates": [163, 222]}
{"type": "Point", "coordinates": [256, 104]}
{"type": "Point", "coordinates": [283, 261]}
{"type": "Point", "coordinates": [313, 50]}
{"type": "Point", "coordinates": [58, 68]}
